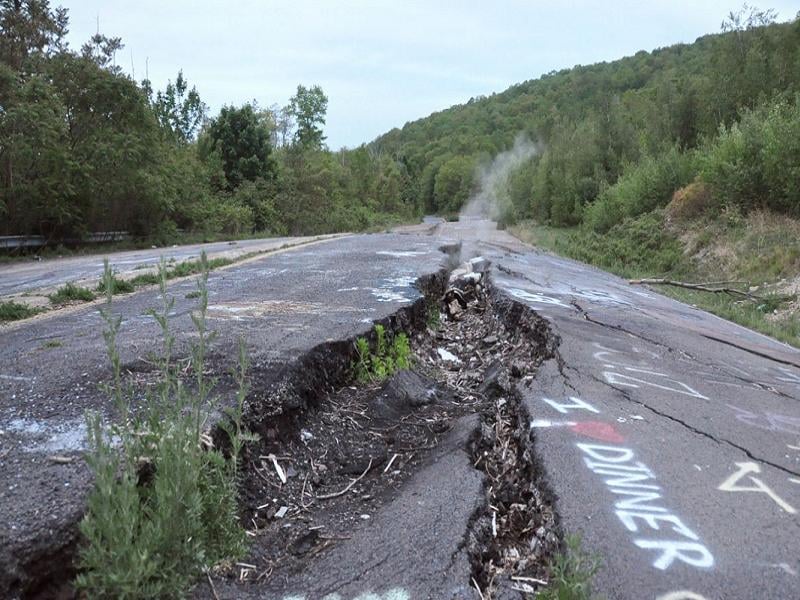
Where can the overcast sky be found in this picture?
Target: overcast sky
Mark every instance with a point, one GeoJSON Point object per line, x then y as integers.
{"type": "Point", "coordinates": [382, 63]}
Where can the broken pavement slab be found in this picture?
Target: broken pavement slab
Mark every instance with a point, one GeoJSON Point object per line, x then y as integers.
{"type": "Point", "coordinates": [47, 390]}
{"type": "Point", "coordinates": [414, 547]}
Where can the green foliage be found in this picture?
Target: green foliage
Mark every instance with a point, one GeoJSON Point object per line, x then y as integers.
{"type": "Point", "coordinates": [642, 187]}
{"type": "Point", "coordinates": [179, 110]}
{"type": "Point", "coordinates": [308, 107]}
{"type": "Point", "coordinates": [163, 508]}
{"type": "Point", "coordinates": [571, 574]}
{"type": "Point", "coordinates": [85, 148]}
{"type": "Point", "coordinates": [453, 184]}
{"type": "Point", "coordinates": [385, 357]}
{"type": "Point", "coordinates": [596, 123]}
{"type": "Point", "coordinates": [755, 162]}
{"type": "Point", "coordinates": [201, 265]}
{"type": "Point", "coordinates": [258, 198]}
{"type": "Point", "coordinates": [115, 285]}
{"type": "Point", "coordinates": [71, 293]}
{"type": "Point", "coordinates": [240, 140]}
{"type": "Point", "coordinates": [145, 279]}
{"type": "Point", "coordinates": [639, 246]}
{"type": "Point", "coordinates": [14, 311]}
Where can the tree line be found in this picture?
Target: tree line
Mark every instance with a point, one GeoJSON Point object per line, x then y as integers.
{"type": "Point", "coordinates": [84, 147]}
{"type": "Point", "coordinates": [617, 139]}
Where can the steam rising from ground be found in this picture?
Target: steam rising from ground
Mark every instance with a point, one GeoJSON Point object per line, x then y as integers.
{"type": "Point", "coordinates": [493, 178]}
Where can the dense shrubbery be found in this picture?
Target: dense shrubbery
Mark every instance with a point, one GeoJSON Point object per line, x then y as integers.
{"type": "Point", "coordinates": [634, 247]}
{"type": "Point", "coordinates": [755, 163]}
{"type": "Point", "coordinates": [642, 187]}
{"type": "Point", "coordinates": [84, 147]}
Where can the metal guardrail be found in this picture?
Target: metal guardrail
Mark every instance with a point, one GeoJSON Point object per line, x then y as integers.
{"type": "Point", "coordinates": [8, 242]}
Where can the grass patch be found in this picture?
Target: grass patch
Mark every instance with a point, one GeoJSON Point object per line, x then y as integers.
{"type": "Point", "coordinates": [753, 315]}
{"type": "Point", "coordinates": [14, 311]}
{"type": "Point", "coordinates": [571, 573]}
{"type": "Point", "coordinates": [114, 284]}
{"type": "Point", "coordinates": [164, 506]}
{"type": "Point", "coordinates": [193, 267]}
{"type": "Point", "coordinates": [71, 293]}
{"type": "Point", "coordinates": [53, 344]}
{"type": "Point", "coordinates": [385, 357]}
{"type": "Point", "coordinates": [145, 279]}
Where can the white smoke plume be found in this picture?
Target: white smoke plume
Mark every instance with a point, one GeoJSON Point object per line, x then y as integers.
{"type": "Point", "coordinates": [492, 195]}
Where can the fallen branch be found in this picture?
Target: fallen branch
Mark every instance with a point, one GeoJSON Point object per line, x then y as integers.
{"type": "Point", "coordinates": [703, 287]}
{"type": "Point", "coordinates": [350, 485]}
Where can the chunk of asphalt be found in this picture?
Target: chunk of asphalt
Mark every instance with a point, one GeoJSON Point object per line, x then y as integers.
{"type": "Point", "coordinates": [495, 380]}
{"type": "Point", "coordinates": [402, 393]}
{"type": "Point", "coordinates": [415, 546]}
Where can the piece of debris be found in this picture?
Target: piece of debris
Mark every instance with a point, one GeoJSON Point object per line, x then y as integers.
{"type": "Point", "coordinates": [278, 468]}
{"type": "Point", "coordinates": [61, 460]}
{"type": "Point", "coordinates": [448, 356]}
{"type": "Point", "coordinates": [281, 512]}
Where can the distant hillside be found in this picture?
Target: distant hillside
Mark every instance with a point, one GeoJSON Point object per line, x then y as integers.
{"type": "Point", "coordinates": [595, 123]}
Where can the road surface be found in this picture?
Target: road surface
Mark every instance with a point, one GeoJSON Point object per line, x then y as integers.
{"type": "Point", "coordinates": [670, 439]}
{"type": "Point", "coordinates": [32, 276]}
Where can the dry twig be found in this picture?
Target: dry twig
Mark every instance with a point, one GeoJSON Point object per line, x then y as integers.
{"type": "Point", "coordinates": [703, 287]}
{"type": "Point", "coordinates": [349, 485]}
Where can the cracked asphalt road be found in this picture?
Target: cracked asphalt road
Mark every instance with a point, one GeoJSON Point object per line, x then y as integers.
{"type": "Point", "coordinates": [282, 305]}
{"type": "Point", "coordinates": [670, 437]}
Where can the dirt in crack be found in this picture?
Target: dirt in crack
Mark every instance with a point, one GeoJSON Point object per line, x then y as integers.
{"type": "Point", "coordinates": [514, 538]}
{"type": "Point", "coordinates": [327, 471]}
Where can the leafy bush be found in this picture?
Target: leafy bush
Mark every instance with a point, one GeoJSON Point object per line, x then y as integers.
{"type": "Point", "coordinates": [643, 186]}
{"type": "Point", "coordinates": [387, 357]}
{"type": "Point", "coordinates": [164, 504]}
{"type": "Point", "coordinates": [145, 279]}
{"type": "Point", "coordinates": [689, 202]}
{"type": "Point", "coordinates": [639, 246]}
{"type": "Point", "coordinates": [71, 293]}
{"type": "Point", "coordinates": [755, 163]}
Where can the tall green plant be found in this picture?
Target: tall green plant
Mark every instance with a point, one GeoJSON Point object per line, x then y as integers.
{"type": "Point", "coordinates": [164, 503]}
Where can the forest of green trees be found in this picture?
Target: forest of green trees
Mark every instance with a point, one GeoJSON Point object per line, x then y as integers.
{"type": "Point", "coordinates": [84, 147]}
{"type": "Point", "coordinates": [615, 140]}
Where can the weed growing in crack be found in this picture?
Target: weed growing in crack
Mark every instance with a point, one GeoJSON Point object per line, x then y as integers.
{"type": "Point", "coordinates": [14, 311]}
{"type": "Point", "coordinates": [111, 282]}
{"type": "Point", "coordinates": [71, 293]}
{"type": "Point", "coordinates": [387, 357]}
{"type": "Point", "coordinates": [433, 316]}
{"type": "Point", "coordinates": [164, 504]}
{"type": "Point", "coordinates": [571, 573]}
